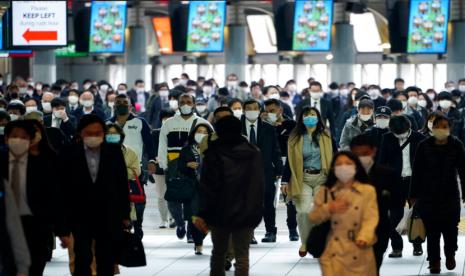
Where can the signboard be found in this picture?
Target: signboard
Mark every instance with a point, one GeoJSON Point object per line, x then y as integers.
{"type": "Point", "coordinates": [39, 23]}
{"type": "Point", "coordinates": [107, 27]}
{"type": "Point", "coordinates": [312, 25]}
{"type": "Point", "coordinates": [428, 23]}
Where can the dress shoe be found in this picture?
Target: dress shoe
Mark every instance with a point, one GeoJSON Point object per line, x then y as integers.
{"type": "Point", "coordinates": [198, 250]}
{"type": "Point", "coordinates": [227, 265]}
{"type": "Point", "coordinates": [269, 237]}
{"type": "Point", "coordinates": [435, 267]}
{"type": "Point", "coordinates": [417, 250]}
{"type": "Point", "coordinates": [253, 241]}
{"type": "Point", "coordinates": [450, 263]}
{"type": "Point", "coordinates": [293, 235]}
{"type": "Point", "coordinates": [395, 254]}
{"type": "Point", "coordinates": [181, 232]}
{"type": "Point", "coordinates": [172, 223]}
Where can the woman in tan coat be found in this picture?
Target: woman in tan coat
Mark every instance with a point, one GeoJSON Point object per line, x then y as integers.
{"type": "Point", "coordinates": [353, 211]}
{"type": "Point", "coordinates": [310, 151]}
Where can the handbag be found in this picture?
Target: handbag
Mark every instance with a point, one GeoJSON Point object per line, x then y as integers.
{"type": "Point", "coordinates": [132, 252]}
{"type": "Point", "coordinates": [416, 230]}
{"type": "Point", "coordinates": [316, 242]}
{"type": "Point", "coordinates": [136, 197]}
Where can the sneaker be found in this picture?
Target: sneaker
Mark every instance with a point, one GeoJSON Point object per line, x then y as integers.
{"type": "Point", "coordinates": [434, 267]}
{"type": "Point", "coordinates": [198, 250]}
{"type": "Point", "coordinates": [181, 232]}
{"type": "Point", "coordinates": [450, 263]}
{"type": "Point", "coordinates": [293, 235]}
{"type": "Point", "coordinates": [269, 237]}
{"type": "Point", "coordinates": [253, 241]}
{"type": "Point", "coordinates": [163, 225]}
{"type": "Point", "coordinates": [395, 254]}
{"type": "Point", "coordinates": [417, 250]}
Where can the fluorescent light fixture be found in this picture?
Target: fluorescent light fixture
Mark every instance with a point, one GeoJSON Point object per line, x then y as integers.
{"type": "Point", "coordinates": [263, 33]}
{"type": "Point", "coordinates": [366, 34]}
{"type": "Point", "coordinates": [329, 56]}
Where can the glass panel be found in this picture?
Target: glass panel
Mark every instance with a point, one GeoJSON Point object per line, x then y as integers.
{"type": "Point", "coordinates": [191, 70]}
{"type": "Point", "coordinates": [370, 74]}
{"type": "Point", "coordinates": [286, 72]}
{"type": "Point", "coordinates": [366, 34]}
{"type": "Point", "coordinates": [388, 75]}
{"type": "Point", "coordinates": [270, 74]}
{"type": "Point", "coordinates": [357, 75]}
{"type": "Point", "coordinates": [320, 73]}
{"type": "Point", "coordinates": [424, 76]}
{"type": "Point", "coordinates": [440, 76]}
{"type": "Point", "coordinates": [407, 72]}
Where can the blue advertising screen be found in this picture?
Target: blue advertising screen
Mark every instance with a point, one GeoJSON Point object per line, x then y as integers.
{"type": "Point", "coordinates": [206, 26]}
{"type": "Point", "coordinates": [428, 21]}
{"type": "Point", "coordinates": [312, 25]}
{"type": "Point", "coordinates": [107, 26]}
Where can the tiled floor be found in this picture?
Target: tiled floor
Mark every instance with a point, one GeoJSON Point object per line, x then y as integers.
{"type": "Point", "coordinates": [168, 256]}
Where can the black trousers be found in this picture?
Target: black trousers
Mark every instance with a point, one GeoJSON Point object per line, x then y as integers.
{"type": "Point", "coordinates": [38, 241]}
{"type": "Point", "coordinates": [291, 216]}
{"type": "Point", "coordinates": [105, 252]}
{"type": "Point", "coordinates": [379, 248]}
{"type": "Point", "coordinates": [197, 235]}
{"type": "Point", "coordinates": [269, 215]}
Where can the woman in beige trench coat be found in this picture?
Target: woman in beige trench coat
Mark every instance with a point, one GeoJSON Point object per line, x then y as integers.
{"type": "Point", "coordinates": [353, 211]}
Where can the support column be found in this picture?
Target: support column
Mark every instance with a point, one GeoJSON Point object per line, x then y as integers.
{"type": "Point", "coordinates": [236, 42]}
{"type": "Point", "coordinates": [343, 50]}
{"type": "Point", "coordinates": [44, 66]}
{"type": "Point", "coordinates": [136, 55]}
{"type": "Point", "coordinates": [455, 51]}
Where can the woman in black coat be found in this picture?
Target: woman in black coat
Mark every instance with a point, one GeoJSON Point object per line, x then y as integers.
{"type": "Point", "coordinates": [190, 164]}
{"type": "Point", "coordinates": [435, 190]}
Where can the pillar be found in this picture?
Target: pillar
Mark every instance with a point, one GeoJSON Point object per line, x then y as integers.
{"type": "Point", "coordinates": [136, 55]}
{"type": "Point", "coordinates": [236, 42]}
{"type": "Point", "coordinates": [455, 51]}
{"type": "Point", "coordinates": [343, 50]}
{"type": "Point", "coordinates": [44, 66]}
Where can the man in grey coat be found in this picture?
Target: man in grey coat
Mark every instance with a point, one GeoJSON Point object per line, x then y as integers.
{"type": "Point", "coordinates": [359, 124]}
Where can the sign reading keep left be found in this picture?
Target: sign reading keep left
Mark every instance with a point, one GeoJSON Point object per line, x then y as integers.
{"type": "Point", "coordinates": [39, 23]}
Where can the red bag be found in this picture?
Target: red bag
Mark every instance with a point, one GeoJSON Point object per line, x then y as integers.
{"type": "Point", "coordinates": [137, 198]}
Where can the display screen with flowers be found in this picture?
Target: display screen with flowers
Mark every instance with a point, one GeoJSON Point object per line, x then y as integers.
{"type": "Point", "coordinates": [428, 26]}
{"type": "Point", "coordinates": [108, 22]}
{"type": "Point", "coordinates": [312, 25]}
{"type": "Point", "coordinates": [206, 26]}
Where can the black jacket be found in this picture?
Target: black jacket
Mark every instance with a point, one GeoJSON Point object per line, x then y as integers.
{"type": "Point", "coordinates": [283, 131]}
{"type": "Point", "coordinates": [78, 113]}
{"type": "Point", "coordinates": [68, 128]}
{"type": "Point", "coordinates": [376, 134]}
{"type": "Point", "coordinates": [327, 114]}
{"type": "Point", "coordinates": [435, 169]}
{"type": "Point", "coordinates": [383, 179]}
{"type": "Point", "coordinates": [456, 123]}
{"type": "Point", "coordinates": [267, 142]}
{"type": "Point", "coordinates": [7, 259]}
{"type": "Point", "coordinates": [187, 155]}
{"type": "Point", "coordinates": [152, 114]}
{"type": "Point", "coordinates": [380, 101]}
{"type": "Point", "coordinates": [96, 207]}
{"type": "Point", "coordinates": [232, 185]}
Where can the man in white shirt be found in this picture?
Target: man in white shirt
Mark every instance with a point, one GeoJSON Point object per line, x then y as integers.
{"type": "Point", "coordinates": [61, 119]}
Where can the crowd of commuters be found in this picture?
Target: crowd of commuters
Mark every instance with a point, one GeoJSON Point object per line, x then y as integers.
{"type": "Point", "coordinates": [73, 158]}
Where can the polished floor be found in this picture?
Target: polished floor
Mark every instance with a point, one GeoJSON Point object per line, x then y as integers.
{"type": "Point", "coordinates": [168, 256]}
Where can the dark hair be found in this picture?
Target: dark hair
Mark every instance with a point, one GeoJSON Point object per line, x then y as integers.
{"type": "Point", "coordinates": [444, 96]}
{"type": "Point", "coordinates": [434, 114]}
{"type": "Point", "coordinates": [26, 125]}
{"type": "Point", "coordinates": [412, 89]}
{"type": "Point", "coordinates": [399, 124]}
{"type": "Point", "coordinates": [18, 106]}
{"type": "Point", "coordinates": [3, 102]}
{"type": "Point", "coordinates": [229, 130]}
{"type": "Point", "coordinates": [207, 83]}
{"type": "Point", "coordinates": [250, 102]}
{"type": "Point", "coordinates": [255, 84]}
{"type": "Point", "coordinates": [123, 84]}
{"type": "Point", "coordinates": [440, 118]}
{"type": "Point", "coordinates": [191, 83]}
{"type": "Point", "coordinates": [185, 75]}
{"type": "Point", "coordinates": [222, 109]}
{"type": "Point", "coordinates": [360, 174]}
{"type": "Point", "coordinates": [315, 83]}
{"type": "Point", "coordinates": [118, 129]}
{"type": "Point", "coordinates": [121, 96]}
{"type": "Point", "coordinates": [243, 84]}
{"type": "Point", "coordinates": [333, 85]}
{"type": "Point", "coordinates": [402, 93]}
{"type": "Point", "coordinates": [429, 103]}
{"type": "Point", "coordinates": [44, 145]}
{"type": "Point", "coordinates": [138, 81]}
{"type": "Point", "coordinates": [272, 101]}
{"type": "Point", "coordinates": [166, 113]}
{"type": "Point", "coordinates": [191, 138]}
{"type": "Point", "coordinates": [399, 80]}
{"type": "Point", "coordinates": [185, 95]}
{"type": "Point", "coordinates": [31, 99]}
{"type": "Point", "coordinates": [300, 129]}
{"type": "Point", "coordinates": [265, 90]}
{"type": "Point", "coordinates": [57, 102]}
{"type": "Point", "coordinates": [4, 116]}
{"type": "Point", "coordinates": [362, 140]}
{"type": "Point", "coordinates": [89, 119]}
{"type": "Point", "coordinates": [394, 105]}
{"type": "Point", "coordinates": [233, 101]}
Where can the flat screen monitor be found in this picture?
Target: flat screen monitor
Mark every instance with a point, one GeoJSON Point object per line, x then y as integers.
{"type": "Point", "coordinates": [312, 25]}
{"type": "Point", "coordinates": [107, 27]}
{"type": "Point", "coordinates": [162, 29]}
{"type": "Point", "coordinates": [206, 26]}
{"type": "Point", "coordinates": [428, 21]}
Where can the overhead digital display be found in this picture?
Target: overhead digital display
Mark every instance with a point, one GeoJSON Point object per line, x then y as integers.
{"type": "Point", "coordinates": [206, 26]}
{"type": "Point", "coordinates": [428, 21]}
{"type": "Point", "coordinates": [312, 25]}
{"type": "Point", "coordinates": [39, 23]}
{"type": "Point", "coordinates": [107, 27]}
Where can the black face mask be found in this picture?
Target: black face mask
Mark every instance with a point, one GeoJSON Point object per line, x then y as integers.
{"type": "Point", "coordinates": [14, 95]}
{"type": "Point", "coordinates": [121, 109]}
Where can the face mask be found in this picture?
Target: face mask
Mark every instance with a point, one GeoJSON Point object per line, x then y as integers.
{"type": "Point", "coordinates": [441, 134]}
{"type": "Point", "coordinates": [404, 104]}
{"type": "Point", "coordinates": [374, 93]}
{"type": "Point", "coordinates": [39, 87]}
{"type": "Point", "coordinates": [402, 135]}
{"type": "Point", "coordinates": [252, 115]}
{"type": "Point", "coordinates": [74, 87]}
{"type": "Point", "coordinates": [164, 93]}
{"type": "Point", "coordinates": [86, 86]}
{"type": "Point", "coordinates": [186, 109]}
{"type": "Point", "coordinates": [422, 103]}
{"type": "Point", "coordinates": [122, 92]}
{"type": "Point", "coordinates": [382, 123]}
{"type": "Point", "coordinates": [57, 114]}
{"type": "Point", "coordinates": [18, 146]}
{"type": "Point", "coordinates": [367, 162]}
{"type": "Point", "coordinates": [113, 138]}
{"type": "Point", "coordinates": [14, 117]}
{"type": "Point", "coordinates": [173, 104]}
{"type": "Point", "coordinates": [412, 101]}
{"type": "Point", "coordinates": [201, 108]}
{"type": "Point", "coordinates": [292, 87]}
{"type": "Point", "coordinates": [445, 104]}
{"type": "Point", "coordinates": [310, 121]}
{"type": "Point", "coordinates": [30, 92]}
{"type": "Point", "coordinates": [1, 82]}
{"type": "Point", "coordinates": [431, 96]}
{"type": "Point", "coordinates": [207, 90]}
{"type": "Point", "coordinates": [430, 125]}
{"type": "Point", "coordinates": [272, 117]}
{"type": "Point", "coordinates": [198, 137]}
{"type": "Point", "coordinates": [316, 95]}
{"type": "Point", "coordinates": [245, 90]}
{"type": "Point", "coordinates": [31, 108]}
{"type": "Point", "coordinates": [274, 96]}
{"type": "Point", "coordinates": [344, 92]}
{"type": "Point", "coordinates": [232, 84]}
{"type": "Point", "coordinates": [23, 90]}
{"type": "Point", "coordinates": [140, 90]}
{"type": "Point", "coordinates": [2, 130]}
{"type": "Point", "coordinates": [87, 103]}
{"type": "Point", "coordinates": [104, 87]}
{"type": "Point", "coordinates": [449, 89]}
{"type": "Point", "coordinates": [121, 109]}
{"type": "Point", "coordinates": [364, 117]}
{"type": "Point", "coordinates": [237, 113]}
{"type": "Point", "coordinates": [93, 141]}
{"type": "Point", "coordinates": [183, 82]}
{"type": "Point", "coordinates": [462, 88]}
{"type": "Point", "coordinates": [344, 173]}
{"type": "Point", "coordinates": [73, 99]}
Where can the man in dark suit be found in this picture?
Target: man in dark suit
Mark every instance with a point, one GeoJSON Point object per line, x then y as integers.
{"type": "Point", "coordinates": [138, 95]}
{"type": "Point", "coordinates": [60, 119]}
{"type": "Point", "coordinates": [263, 135]}
{"type": "Point", "coordinates": [383, 179]}
{"type": "Point", "coordinates": [323, 105]}
{"type": "Point", "coordinates": [95, 198]}
{"type": "Point", "coordinates": [87, 107]}
{"type": "Point", "coordinates": [397, 151]}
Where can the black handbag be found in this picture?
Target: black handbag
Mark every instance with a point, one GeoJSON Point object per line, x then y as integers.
{"type": "Point", "coordinates": [132, 252]}
{"type": "Point", "coordinates": [316, 242]}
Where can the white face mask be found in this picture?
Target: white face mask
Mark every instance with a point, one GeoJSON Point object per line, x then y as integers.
{"type": "Point", "coordinates": [274, 96]}
{"type": "Point", "coordinates": [104, 87]}
{"type": "Point", "coordinates": [367, 162]}
{"type": "Point", "coordinates": [93, 141]}
{"type": "Point", "coordinates": [186, 109]}
{"type": "Point", "coordinates": [462, 88]}
{"type": "Point", "coordinates": [30, 92]}
{"type": "Point", "coordinates": [412, 101]}
{"type": "Point", "coordinates": [87, 103]}
{"type": "Point", "coordinates": [404, 104]}
{"type": "Point", "coordinates": [199, 137]}
{"type": "Point", "coordinates": [73, 99]}
{"type": "Point", "coordinates": [207, 90]}
{"type": "Point", "coordinates": [14, 117]}
{"type": "Point", "coordinates": [237, 113]}
{"type": "Point", "coordinates": [39, 87]}
{"type": "Point", "coordinates": [140, 89]}
{"type": "Point", "coordinates": [365, 118]}
{"type": "Point", "coordinates": [164, 93]}
{"type": "Point", "coordinates": [173, 104]}
{"type": "Point", "coordinates": [58, 114]}
{"type": "Point", "coordinates": [252, 115]}
{"type": "Point", "coordinates": [344, 92]}
{"type": "Point", "coordinates": [232, 84]}
{"type": "Point", "coordinates": [316, 95]}
{"type": "Point", "coordinates": [183, 82]}
{"type": "Point", "coordinates": [201, 108]}
{"type": "Point", "coordinates": [344, 173]}
{"type": "Point", "coordinates": [272, 117]}
{"type": "Point", "coordinates": [402, 135]}
{"type": "Point", "coordinates": [31, 108]}
{"type": "Point", "coordinates": [445, 104]}
{"type": "Point", "coordinates": [374, 93]}
{"type": "Point", "coordinates": [431, 96]}
{"type": "Point", "coordinates": [422, 103]}
{"type": "Point", "coordinates": [111, 104]}
{"type": "Point", "coordinates": [18, 146]}
{"type": "Point", "coordinates": [382, 123]}
{"type": "Point", "coordinates": [430, 125]}
{"type": "Point", "coordinates": [292, 87]}
{"type": "Point", "coordinates": [86, 86]}
{"type": "Point", "coordinates": [46, 106]}
{"type": "Point", "coordinates": [122, 92]}
{"type": "Point", "coordinates": [2, 130]}
{"type": "Point", "coordinates": [449, 89]}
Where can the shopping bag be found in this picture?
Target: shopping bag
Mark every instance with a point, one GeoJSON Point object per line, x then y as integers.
{"type": "Point", "coordinates": [403, 226]}
{"type": "Point", "coordinates": [416, 231]}
{"type": "Point", "coordinates": [132, 252]}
